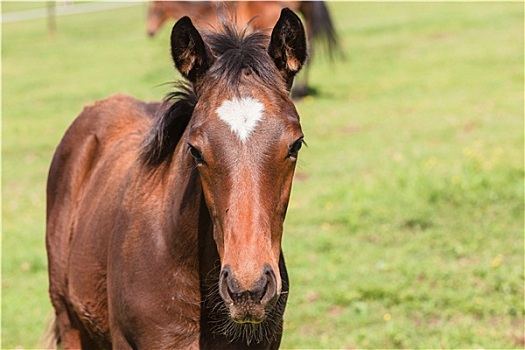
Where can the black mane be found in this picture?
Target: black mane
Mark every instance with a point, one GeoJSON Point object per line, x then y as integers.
{"type": "Point", "coordinates": [235, 53]}
{"type": "Point", "coordinates": [169, 126]}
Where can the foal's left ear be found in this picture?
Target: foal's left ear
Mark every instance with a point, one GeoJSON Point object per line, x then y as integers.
{"type": "Point", "coordinates": [288, 45]}
{"type": "Point", "coordinates": [188, 50]}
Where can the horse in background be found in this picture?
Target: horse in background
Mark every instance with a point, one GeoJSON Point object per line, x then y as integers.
{"type": "Point", "coordinates": [261, 15]}
{"type": "Point", "coordinates": [165, 220]}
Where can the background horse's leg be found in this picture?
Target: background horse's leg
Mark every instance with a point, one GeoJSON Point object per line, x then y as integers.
{"type": "Point", "coordinates": [321, 31]}
{"type": "Point", "coordinates": [301, 88]}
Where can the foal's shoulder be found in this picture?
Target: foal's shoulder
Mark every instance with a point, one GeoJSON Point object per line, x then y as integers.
{"type": "Point", "coordinates": [122, 106]}
{"type": "Point", "coordinates": [117, 114]}
{"type": "Point", "coordinates": [113, 120]}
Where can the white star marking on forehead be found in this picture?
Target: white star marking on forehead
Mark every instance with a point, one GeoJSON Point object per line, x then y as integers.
{"type": "Point", "coordinates": [242, 115]}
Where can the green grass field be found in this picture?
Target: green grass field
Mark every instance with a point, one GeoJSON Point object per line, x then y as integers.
{"type": "Point", "coordinates": [405, 228]}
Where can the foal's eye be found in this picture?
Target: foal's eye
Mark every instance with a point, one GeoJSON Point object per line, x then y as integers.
{"type": "Point", "coordinates": [195, 153]}
{"type": "Point", "coordinates": [294, 149]}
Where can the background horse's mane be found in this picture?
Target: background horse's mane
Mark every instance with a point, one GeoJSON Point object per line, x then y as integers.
{"type": "Point", "coordinates": [234, 53]}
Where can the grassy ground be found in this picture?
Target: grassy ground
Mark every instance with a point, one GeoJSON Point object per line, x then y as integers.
{"type": "Point", "coordinates": [405, 228]}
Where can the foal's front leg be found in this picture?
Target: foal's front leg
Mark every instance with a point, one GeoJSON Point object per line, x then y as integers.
{"type": "Point", "coordinates": [69, 335]}
{"type": "Point", "coordinates": [121, 343]}
{"type": "Point", "coordinates": [118, 341]}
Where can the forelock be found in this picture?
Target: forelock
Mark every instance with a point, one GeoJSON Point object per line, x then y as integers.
{"type": "Point", "coordinates": [237, 53]}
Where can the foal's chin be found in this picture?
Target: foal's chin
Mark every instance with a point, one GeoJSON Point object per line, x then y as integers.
{"type": "Point", "coordinates": [247, 313]}
{"type": "Point", "coordinates": [250, 312]}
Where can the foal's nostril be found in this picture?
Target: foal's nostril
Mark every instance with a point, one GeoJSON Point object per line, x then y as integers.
{"type": "Point", "coordinates": [263, 291]}
{"type": "Point", "coordinates": [259, 289]}
{"type": "Point", "coordinates": [270, 287]}
{"type": "Point", "coordinates": [224, 285]}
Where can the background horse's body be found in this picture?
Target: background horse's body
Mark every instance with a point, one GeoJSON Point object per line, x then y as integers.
{"type": "Point", "coordinates": [141, 252]}
{"type": "Point", "coordinates": [208, 14]}
{"type": "Point", "coordinates": [263, 16]}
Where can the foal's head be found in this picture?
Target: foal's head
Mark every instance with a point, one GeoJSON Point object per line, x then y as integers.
{"type": "Point", "coordinates": [244, 136]}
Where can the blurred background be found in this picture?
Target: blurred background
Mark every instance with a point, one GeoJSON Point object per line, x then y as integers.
{"type": "Point", "coordinates": [405, 227]}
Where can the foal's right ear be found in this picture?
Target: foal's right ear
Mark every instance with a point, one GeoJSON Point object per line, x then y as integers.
{"type": "Point", "coordinates": [288, 45]}
{"type": "Point", "coordinates": [188, 50]}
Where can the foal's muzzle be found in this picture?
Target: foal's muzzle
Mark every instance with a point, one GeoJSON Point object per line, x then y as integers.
{"type": "Point", "coordinates": [248, 305]}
